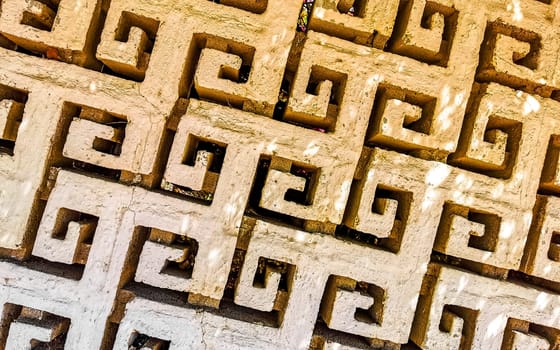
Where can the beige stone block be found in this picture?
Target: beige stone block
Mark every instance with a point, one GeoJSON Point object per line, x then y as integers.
{"type": "Point", "coordinates": [153, 259]}
{"type": "Point", "coordinates": [312, 152]}
{"type": "Point", "coordinates": [275, 187]}
{"type": "Point", "coordinates": [198, 176]}
{"type": "Point", "coordinates": [379, 225]}
{"type": "Point", "coordinates": [529, 341]}
{"type": "Point", "coordinates": [369, 214]}
{"type": "Point", "coordinates": [372, 24]}
{"type": "Point", "coordinates": [128, 58]}
{"type": "Point", "coordinates": [160, 324]}
{"type": "Point", "coordinates": [342, 317]}
{"type": "Point", "coordinates": [354, 88]}
{"type": "Point", "coordinates": [542, 253]}
{"type": "Point", "coordinates": [80, 140]}
{"type": "Point", "coordinates": [57, 250]}
{"type": "Point", "coordinates": [315, 105]}
{"type": "Point", "coordinates": [550, 179]}
{"type": "Point", "coordinates": [461, 234]}
{"type": "Point", "coordinates": [64, 237]}
{"type": "Point", "coordinates": [38, 27]}
{"type": "Point", "coordinates": [485, 314]}
{"type": "Point", "coordinates": [507, 46]}
{"type": "Point", "coordinates": [193, 177]}
{"type": "Point", "coordinates": [423, 40]}
{"type": "Point", "coordinates": [518, 52]}
{"type": "Point", "coordinates": [488, 144]}
{"type": "Point", "coordinates": [206, 26]}
{"type": "Point", "coordinates": [453, 160]}
{"type": "Point", "coordinates": [397, 115]}
{"type": "Point", "coordinates": [10, 111]}
{"type": "Point", "coordinates": [257, 297]}
{"type": "Point", "coordinates": [110, 140]}
{"type": "Point", "coordinates": [313, 250]}
{"type": "Point", "coordinates": [23, 335]}
{"type": "Point", "coordinates": [217, 75]}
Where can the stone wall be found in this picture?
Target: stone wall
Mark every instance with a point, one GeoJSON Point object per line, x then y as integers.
{"type": "Point", "coordinates": [254, 174]}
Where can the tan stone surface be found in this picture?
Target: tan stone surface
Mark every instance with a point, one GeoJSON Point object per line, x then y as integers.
{"type": "Point", "coordinates": [203, 175]}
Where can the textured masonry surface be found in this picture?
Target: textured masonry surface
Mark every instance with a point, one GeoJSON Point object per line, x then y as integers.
{"type": "Point", "coordinates": [254, 174]}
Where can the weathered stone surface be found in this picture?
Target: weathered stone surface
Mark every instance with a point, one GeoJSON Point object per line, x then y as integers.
{"type": "Point", "coordinates": [254, 174]}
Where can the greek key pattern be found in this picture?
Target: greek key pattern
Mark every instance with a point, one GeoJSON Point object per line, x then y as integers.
{"type": "Point", "coordinates": [272, 174]}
